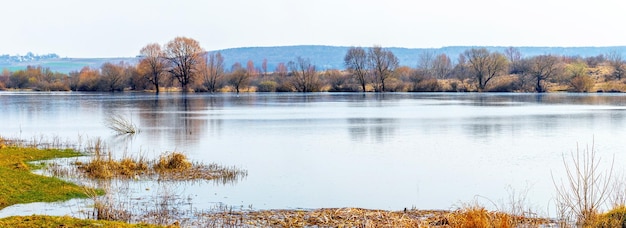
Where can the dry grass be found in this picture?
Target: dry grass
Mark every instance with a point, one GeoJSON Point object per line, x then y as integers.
{"type": "Point", "coordinates": [172, 162]}
{"type": "Point", "coordinates": [172, 166]}
{"type": "Point", "coordinates": [477, 216]}
{"type": "Point", "coordinates": [613, 218]}
{"type": "Point", "coordinates": [357, 217]}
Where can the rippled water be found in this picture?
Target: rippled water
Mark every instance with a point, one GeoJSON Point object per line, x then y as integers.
{"type": "Point", "coordinates": [385, 151]}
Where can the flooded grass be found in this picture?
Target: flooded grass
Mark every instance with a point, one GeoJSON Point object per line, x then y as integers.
{"type": "Point", "coordinates": [64, 221]}
{"type": "Point", "coordinates": [20, 185]}
{"type": "Point", "coordinates": [172, 166]}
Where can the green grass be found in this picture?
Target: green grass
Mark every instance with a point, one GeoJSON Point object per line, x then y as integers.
{"type": "Point", "coordinates": [62, 221]}
{"type": "Point", "coordinates": [19, 185]}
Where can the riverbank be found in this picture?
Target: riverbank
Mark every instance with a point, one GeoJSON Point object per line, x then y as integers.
{"type": "Point", "coordinates": [20, 186]}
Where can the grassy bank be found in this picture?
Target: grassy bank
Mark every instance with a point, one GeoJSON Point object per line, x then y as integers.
{"type": "Point", "coordinates": [63, 221]}
{"type": "Point", "coordinates": [20, 185]}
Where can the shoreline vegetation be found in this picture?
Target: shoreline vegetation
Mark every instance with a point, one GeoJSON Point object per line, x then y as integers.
{"type": "Point", "coordinates": [589, 197]}
{"type": "Point", "coordinates": [183, 65]}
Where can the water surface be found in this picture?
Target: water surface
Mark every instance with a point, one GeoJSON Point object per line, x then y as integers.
{"type": "Point", "coordinates": [384, 151]}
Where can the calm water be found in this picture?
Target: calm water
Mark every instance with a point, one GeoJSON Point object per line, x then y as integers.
{"type": "Point", "coordinates": [391, 151]}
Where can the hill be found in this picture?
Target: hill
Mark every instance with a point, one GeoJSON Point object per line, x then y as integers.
{"type": "Point", "coordinates": [324, 57]}
{"type": "Point", "coordinates": [331, 57]}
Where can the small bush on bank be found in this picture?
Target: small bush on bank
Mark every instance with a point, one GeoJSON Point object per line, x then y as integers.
{"type": "Point", "coordinates": [267, 86]}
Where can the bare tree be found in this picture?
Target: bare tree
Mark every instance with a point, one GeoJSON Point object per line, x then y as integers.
{"type": "Point", "coordinates": [281, 70]}
{"type": "Point", "coordinates": [264, 67]}
{"type": "Point", "coordinates": [617, 62]}
{"type": "Point", "coordinates": [356, 62]}
{"type": "Point", "coordinates": [425, 63]}
{"type": "Point", "coordinates": [251, 69]}
{"type": "Point", "coordinates": [304, 76]}
{"type": "Point", "coordinates": [153, 64]}
{"type": "Point", "coordinates": [239, 77]}
{"type": "Point", "coordinates": [485, 65]}
{"type": "Point", "coordinates": [214, 71]}
{"type": "Point", "coordinates": [112, 77]}
{"type": "Point", "coordinates": [184, 55]}
{"type": "Point", "coordinates": [441, 66]}
{"type": "Point", "coordinates": [515, 57]}
{"type": "Point", "coordinates": [383, 64]}
{"type": "Point", "coordinates": [541, 68]}
{"type": "Point", "coordinates": [338, 81]}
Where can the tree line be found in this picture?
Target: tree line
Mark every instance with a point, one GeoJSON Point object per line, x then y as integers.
{"type": "Point", "coordinates": [183, 65]}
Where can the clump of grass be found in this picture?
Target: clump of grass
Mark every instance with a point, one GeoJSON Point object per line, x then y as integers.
{"type": "Point", "coordinates": [106, 167]}
{"type": "Point", "coordinates": [170, 166]}
{"type": "Point", "coordinates": [120, 124]}
{"type": "Point", "coordinates": [478, 216]}
{"type": "Point", "coordinates": [172, 162]}
{"type": "Point", "coordinates": [613, 218]}
{"type": "Point", "coordinates": [132, 167]}
{"type": "Point", "coordinates": [3, 143]}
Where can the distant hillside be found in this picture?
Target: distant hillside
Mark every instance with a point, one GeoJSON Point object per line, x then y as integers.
{"type": "Point", "coordinates": [63, 65]}
{"type": "Point", "coordinates": [331, 57]}
{"type": "Point", "coordinates": [324, 57]}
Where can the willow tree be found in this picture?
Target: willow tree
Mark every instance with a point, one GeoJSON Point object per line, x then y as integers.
{"type": "Point", "coordinates": [213, 71]}
{"type": "Point", "coordinates": [542, 68]}
{"type": "Point", "coordinates": [383, 64]}
{"type": "Point", "coordinates": [356, 63]}
{"type": "Point", "coordinates": [303, 75]}
{"type": "Point", "coordinates": [238, 77]}
{"type": "Point", "coordinates": [485, 65]}
{"type": "Point", "coordinates": [185, 56]}
{"type": "Point", "coordinates": [152, 64]}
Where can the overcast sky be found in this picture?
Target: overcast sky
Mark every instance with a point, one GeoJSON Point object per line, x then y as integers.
{"type": "Point", "coordinates": [119, 28]}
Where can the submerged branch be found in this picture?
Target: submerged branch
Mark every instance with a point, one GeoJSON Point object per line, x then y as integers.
{"type": "Point", "coordinates": [120, 124]}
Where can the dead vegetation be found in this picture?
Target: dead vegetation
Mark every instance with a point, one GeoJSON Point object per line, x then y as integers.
{"type": "Point", "coordinates": [474, 216]}
{"type": "Point", "coordinates": [120, 124]}
{"type": "Point", "coordinates": [584, 193]}
{"type": "Point", "coordinates": [171, 166]}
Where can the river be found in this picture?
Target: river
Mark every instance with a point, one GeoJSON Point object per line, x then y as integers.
{"type": "Point", "coordinates": [384, 151]}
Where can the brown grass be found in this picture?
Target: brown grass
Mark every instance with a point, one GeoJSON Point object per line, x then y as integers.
{"type": "Point", "coordinates": [171, 166]}
{"type": "Point", "coordinates": [477, 216]}
{"type": "Point", "coordinates": [357, 217]}
{"type": "Point", "coordinates": [172, 162]}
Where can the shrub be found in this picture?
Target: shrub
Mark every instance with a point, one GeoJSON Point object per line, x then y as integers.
{"type": "Point", "coordinates": [503, 84]}
{"type": "Point", "coordinates": [586, 188]}
{"type": "Point", "coordinates": [427, 85]}
{"type": "Point", "coordinates": [582, 83]}
{"type": "Point", "coordinates": [267, 86]}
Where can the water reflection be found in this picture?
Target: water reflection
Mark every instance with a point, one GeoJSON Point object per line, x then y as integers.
{"type": "Point", "coordinates": [376, 129]}
{"type": "Point", "coordinates": [183, 119]}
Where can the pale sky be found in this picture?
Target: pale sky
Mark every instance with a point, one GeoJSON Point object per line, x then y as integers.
{"type": "Point", "coordinates": [119, 28]}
